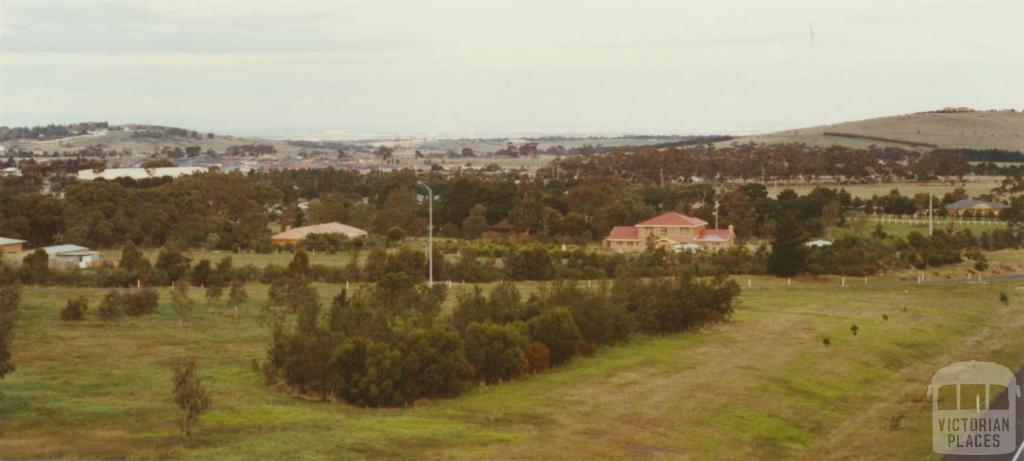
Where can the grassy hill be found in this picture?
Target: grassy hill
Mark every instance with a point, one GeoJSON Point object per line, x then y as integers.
{"type": "Point", "coordinates": [926, 130]}
{"type": "Point", "coordinates": [127, 138]}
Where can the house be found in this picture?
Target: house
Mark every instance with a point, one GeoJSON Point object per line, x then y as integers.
{"type": "Point", "coordinates": [295, 235]}
{"type": "Point", "coordinates": [9, 245]}
{"type": "Point", "coordinates": [818, 243]}
{"type": "Point", "coordinates": [669, 230]}
{"type": "Point", "coordinates": [974, 207]}
{"type": "Point", "coordinates": [71, 256]}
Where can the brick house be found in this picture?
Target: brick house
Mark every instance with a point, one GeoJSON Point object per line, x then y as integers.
{"type": "Point", "coordinates": [671, 230]}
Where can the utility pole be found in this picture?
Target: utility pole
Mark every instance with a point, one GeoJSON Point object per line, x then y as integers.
{"type": "Point", "coordinates": [716, 214]}
{"type": "Point", "coordinates": [929, 214]}
{"type": "Point", "coordinates": [430, 235]}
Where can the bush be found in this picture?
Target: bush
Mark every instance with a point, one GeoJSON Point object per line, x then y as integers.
{"type": "Point", "coordinates": [556, 330]}
{"type": "Point", "coordinates": [112, 306]}
{"type": "Point", "coordinates": [496, 352]}
{"type": "Point", "coordinates": [140, 301]}
{"type": "Point", "coordinates": [538, 357]}
{"type": "Point", "coordinates": [75, 309]}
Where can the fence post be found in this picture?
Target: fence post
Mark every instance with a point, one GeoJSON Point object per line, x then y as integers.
{"type": "Point", "coordinates": [749, 285]}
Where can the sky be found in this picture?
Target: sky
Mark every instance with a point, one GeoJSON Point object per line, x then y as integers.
{"type": "Point", "coordinates": [487, 68]}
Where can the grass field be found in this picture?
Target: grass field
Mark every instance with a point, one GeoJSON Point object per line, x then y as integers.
{"type": "Point", "coordinates": [761, 386]}
{"type": "Point", "coordinates": [974, 187]}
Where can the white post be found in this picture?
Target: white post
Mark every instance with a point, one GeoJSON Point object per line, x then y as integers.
{"type": "Point", "coordinates": [346, 285]}
{"type": "Point", "coordinates": [844, 281]}
{"type": "Point", "coordinates": [749, 285]}
{"type": "Point", "coordinates": [865, 280]}
{"type": "Point", "coordinates": [789, 281]}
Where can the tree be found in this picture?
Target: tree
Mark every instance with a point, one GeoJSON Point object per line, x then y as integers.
{"type": "Point", "coordinates": [789, 255]}
{"type": "Point", "coordinates": [435, 363]}
{"type": "Point", "coordinates": [10, 297]}
{"type": "Point", "coordinates": [213, 294]}
{"type": "Point", "coordinates": [476, 223]}
{"type": "Point", "coordinates": [75, 309]}
{"type": "Point", "coordinates": [556, 330]}
{"type": "Point", "coordinates": [496, 352]}
{"type": "Point", "coordinates": [538, 357]}
{"type": "Point", "coordinates": [237, 295]}
{"type": "Point", "coordinates": [200, 274]}
{"type": "Point", "coordinates": [36, 267]}
{"type": "Point", "coordinates": [134, 262]}
{"type": "Point", "coordinates": [171, 264]}
{"type": "Point", "coordinates": [299, 267]}
{"type": "Point", "coordinates": [189, 395]}
{"type": "Point", "coordinates": [181, 303]}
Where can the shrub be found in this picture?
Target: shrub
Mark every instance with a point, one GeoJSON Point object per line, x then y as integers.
{"type": "Point", "coordinates": [496, 352]}
{"type": "Point", "coordinates": [75, 309]}
{"type": "Point", "coordinates": [111, 307]}
{"type": "Point", "coordinates": [1004, 298]}
{"type": "Point", "coordinates": [827, 342]}
{"type": "Point", "coordinates": [436, 363]}
{"type": "Point", "coordinates": [538, 357]}
{"type": "Point", "coordinates": [140, 301]}
{"type": "Point", "coordinates": [556, 330]}
{"type": "Point", "coordinates": [854, 329]}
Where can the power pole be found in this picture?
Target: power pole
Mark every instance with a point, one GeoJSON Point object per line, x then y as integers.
{"type": "Point", "coordinates": [716, 214]}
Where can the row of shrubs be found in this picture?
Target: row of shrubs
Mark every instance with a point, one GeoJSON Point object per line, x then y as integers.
{"type": "Point", "coordinates": [389, 344]}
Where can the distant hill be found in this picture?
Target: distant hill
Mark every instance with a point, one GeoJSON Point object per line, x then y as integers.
{"type": "Point", "coordinates": [949, 128]}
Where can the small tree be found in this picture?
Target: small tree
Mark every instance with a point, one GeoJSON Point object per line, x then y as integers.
{"type": "Point", "coordinates": [538, 357]}
{"type": "Point", "coordinates": [35, 268]}
{"type": "Point", "coordinates": [10, 297]}
{"type": "Point", "coordinates": [75, 309]}
{"type": "Point", "coordinates": [299, 267]}
{"type": "Point", "coordinates": [213, 294]}
{"type": "Point", "coordinates": [237, 295]}
{"type": "Point", "coordinates": [557, 330]}
{"type": "Point", "coordinates": [190, 396]}
{"type": "Point", "coordinates": [789, 256]}
{"type": "Point", "coordinates": [181, 303]}
{"type": "Point", "coordinates": [496, 352]}
{"type": "Point", "coordinates": [111, 307]}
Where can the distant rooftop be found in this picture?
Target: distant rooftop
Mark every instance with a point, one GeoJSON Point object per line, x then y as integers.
{"type": "Point", "coordinates": [974, 203]}
{"type": "Point", "coordinates": [140, 173]}
{"type": "Point", "coordinates": [673, 219]}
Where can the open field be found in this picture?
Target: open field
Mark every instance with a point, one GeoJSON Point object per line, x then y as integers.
{"type": "Point", "coordinates": [974, 187]}
{"type": "Point", "coordinates": [94, 390]}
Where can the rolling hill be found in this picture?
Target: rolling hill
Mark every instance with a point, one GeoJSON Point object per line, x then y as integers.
{"type": "Point", "coordinates": [925, 130]}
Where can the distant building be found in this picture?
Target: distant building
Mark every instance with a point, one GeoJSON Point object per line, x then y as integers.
{"type": "Point", "coordinates": [140, 173]}
{"type": "Point", "coordinates": [71, 256]}
{"type": "Point", "coordinates": [975, 208]}
{"type": "Point", "coordinates": [9, 245]}
{"type": "Point", "coordinates": [818, 243]}
{"type": "Point", "coordinates": [669, 230]}
{"type": "Point", "coordinates": [296, 235]}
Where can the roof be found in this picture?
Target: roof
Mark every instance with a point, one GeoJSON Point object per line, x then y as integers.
{"type": "Point", "coordinates": [973, 203]}
{"type": "Point", "coordinates": [140, 173]}
{"type": "Point", "coordinates": [300, 233]}
{"type": "Point", "coordinates": [10, 241]}
{"type": "Point", "coordinates": [58, 249]}
{"type": "Point", "coordinates": [624, 233]}
{"type": "Point", "coordinates": [818, 243]}
{"type": "Point", "coordinates": [714, 235]}
{"type": "Point", "coordinates": [79, 253]}
{"type": "Point", "coordinates": [673, 219]}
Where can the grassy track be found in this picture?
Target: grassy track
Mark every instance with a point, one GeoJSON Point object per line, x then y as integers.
{"type": "Point", "coordinates": [761, 386]}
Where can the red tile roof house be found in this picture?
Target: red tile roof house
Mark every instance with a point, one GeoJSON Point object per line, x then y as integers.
{"type": "Point", "coordinates": [667, 230]}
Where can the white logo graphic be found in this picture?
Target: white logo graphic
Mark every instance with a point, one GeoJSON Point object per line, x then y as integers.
{"type": "Point", "coordinates": [969, 417]}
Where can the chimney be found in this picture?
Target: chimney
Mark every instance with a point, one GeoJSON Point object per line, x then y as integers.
{"type": "Point", "coordinates": [731, 231]}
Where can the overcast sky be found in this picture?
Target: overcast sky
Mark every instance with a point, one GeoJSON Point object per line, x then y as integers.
{"type": "Point", "coordinates": [475, 67]}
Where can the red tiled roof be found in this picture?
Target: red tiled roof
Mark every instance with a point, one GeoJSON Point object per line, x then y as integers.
{"type": "Point", "coordinates": [624, 233]}
{"type": "Point", "coordinates": [674, 219]}
{"type": "Point", "coordinates": [713, 235]}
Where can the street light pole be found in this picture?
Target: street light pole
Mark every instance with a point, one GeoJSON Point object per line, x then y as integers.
{"type": "Point", "coordinates": [430, 235]}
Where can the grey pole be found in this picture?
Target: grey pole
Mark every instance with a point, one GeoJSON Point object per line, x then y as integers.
{"type": "Point", "coordinates": [430, 235]}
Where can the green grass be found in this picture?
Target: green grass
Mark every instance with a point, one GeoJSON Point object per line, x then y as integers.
{"type": "Point", "coordinates": [762, 386]}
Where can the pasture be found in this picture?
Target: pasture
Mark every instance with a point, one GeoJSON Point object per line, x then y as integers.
{"type": "Point", "coordinates": [96, 390]}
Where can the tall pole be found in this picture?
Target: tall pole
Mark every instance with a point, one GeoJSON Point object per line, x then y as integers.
{"type": "Point", "coordinates": [716, 214]}
{"type": "Point", "coordinates": [929, 213]}
{"type": "Point", "coordinates": [430, 235]}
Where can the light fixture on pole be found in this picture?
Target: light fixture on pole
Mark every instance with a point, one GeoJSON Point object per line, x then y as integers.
{"type": "Point", "coordinates": [430, 234]}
